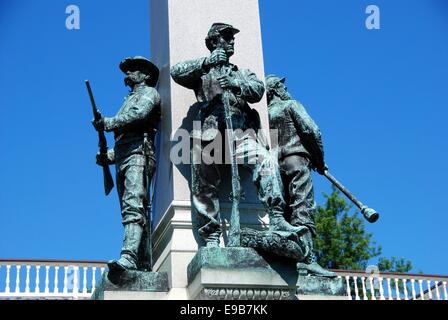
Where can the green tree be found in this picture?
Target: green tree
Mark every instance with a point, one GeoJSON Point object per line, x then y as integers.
{"type": "Point", "coordinates": [342, 241]}
{"type": "Point", "coordinates": [395, 264]}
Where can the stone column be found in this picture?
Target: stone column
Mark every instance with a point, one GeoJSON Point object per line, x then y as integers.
{"type": "Point", "coordinates": [178, 30]}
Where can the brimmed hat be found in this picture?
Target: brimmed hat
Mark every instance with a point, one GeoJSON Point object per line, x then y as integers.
{"type": "Point", "coordinates": [273, 80]}
{"type": "Point", "coordinates": [217, 29]}
{"type": "Point", "coordinates": [142, 64]}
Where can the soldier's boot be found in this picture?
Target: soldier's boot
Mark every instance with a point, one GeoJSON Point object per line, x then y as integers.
{"type": "Point", "coordinates": [211, 234]}
{"type": "Point", "coordinates": [129, 252]}
{"type": "Point", "coordinates": [310, 266]}
{"type": "Point", "coordinates": [212, 240]}
{"type": "Point", "coordinates": [277, 222]}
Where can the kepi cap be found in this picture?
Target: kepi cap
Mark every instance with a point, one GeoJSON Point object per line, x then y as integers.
{"type": "Point", "coordinates": [273, 80]}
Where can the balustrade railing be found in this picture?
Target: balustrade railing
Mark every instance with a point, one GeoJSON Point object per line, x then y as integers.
{"type": "Point", "coordinates": [394, 286]}
{"type": "Point", "coordinates": [51, 279]}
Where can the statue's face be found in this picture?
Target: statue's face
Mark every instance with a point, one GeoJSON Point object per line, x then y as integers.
{"type": "Point", "coordinates": [135, 77]}
{"type": "Point", "coordinates": [227, 42]}
{"type": "Point", "coordinates": [282, 91]}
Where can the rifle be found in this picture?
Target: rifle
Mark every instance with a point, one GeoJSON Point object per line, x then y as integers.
{"type": "Point", "coordinates": [102, 144]}
{"type": "Point", "coordinates": [145, 249]}
{"type": "Point", "coordinates": [212, 90]}
{"type": "Point", "coordinates": [236, 195]}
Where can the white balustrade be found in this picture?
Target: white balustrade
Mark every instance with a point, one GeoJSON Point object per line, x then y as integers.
{"type": "Point", "coordinates": [444, 290]}
{"type": "Point", "coordinates": [75, 285]}
{"type": "Point", "coordinates": [405, 289]}
{"type": "Point", "coordinates": [65, 288]}
{"type": "Point", "coordinates": [36, 288]}
{"type": "Point", "coordinates": [437, 290]}
{"type": "Point", "coordinates": [93, 277]}
{"type": "Point", "coordinates": [18, 278]}
{"type": "Point", "coordinates": [404, 286]}
{"type": "Point", "coordinates": [355, 281]}
{"type": "Point", "coordinates": [397, 289]}
{"type": "Point", "coordinates": [75, 281]}
{"type": "Point", "coordinates": [56, 280]}
{"type": "Point", "coordinates": [420, 284]}
{"type": "Point", "coordinates": [380, 282]}
{"type": "Point", "coordinates": [428, 282]}
{"type": "Point", "coordinates": [27, 282]}
{"type": "Point", "coordinates": [347, 282]}
{"type": "Point", "coordinates": [372, 288]}
{"type": "Point", "coordinates": [414, 295]}
{"type": "Point", "coordinates": [364, 291]}
{"type": "Point", "coordinates": [84, 287]}
{"type": "Point", "coordinates": [8, 281]}
{"type": "Point", "coordinates": [47, 279]}
{"type": "Point", "coordinates": [389, 289]}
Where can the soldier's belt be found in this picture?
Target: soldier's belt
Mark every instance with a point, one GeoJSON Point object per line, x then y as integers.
{"type": "Point", "coordinates": [134, 138]}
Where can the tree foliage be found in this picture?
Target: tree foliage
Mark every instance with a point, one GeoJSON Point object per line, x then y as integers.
{"type": "Point", "coordinates": [395, 264]}
{"type": "Point", "coordinates": [342, 241]}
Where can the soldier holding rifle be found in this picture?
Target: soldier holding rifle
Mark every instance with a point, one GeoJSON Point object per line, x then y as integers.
{"type": "Point", "coordinates": [134, 127]}
{"type": "Point", "coordinates": [224, 92]}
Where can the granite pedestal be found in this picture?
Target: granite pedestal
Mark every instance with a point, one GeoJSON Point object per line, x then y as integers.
{"type": "Point", "coordinates": [244, 274]}
{"type": "Point", "coordinates": [132, 285]}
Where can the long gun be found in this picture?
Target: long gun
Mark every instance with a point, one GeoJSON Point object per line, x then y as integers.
{"type": "Point", "coordinates": [102, 144]}
{"type": "Point", "coordinates": [212, 89]}
{"type": "Point", "coordinates": [236, 195]}
{"type": "Point", "coordinates": [368, 213]}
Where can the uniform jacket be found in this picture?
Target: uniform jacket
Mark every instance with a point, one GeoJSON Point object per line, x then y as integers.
{"type": "Point", "coordinates": [192, 74]}
{"type": "Point", "coordinates": [297, 132]}
{"type": "Point", "coordinates": [139, 114]}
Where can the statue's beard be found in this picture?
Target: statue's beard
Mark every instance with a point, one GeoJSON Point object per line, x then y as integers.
{"type": "Point", "coordinates": [129, 81]}
{"type": "Point", "coordinates": [285, 96]}
{"type": "Point", "coordinates": [132, 81]}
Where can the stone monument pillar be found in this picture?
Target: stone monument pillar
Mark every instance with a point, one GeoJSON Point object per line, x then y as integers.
{"type": "Point", "coordinates": [178, 30]}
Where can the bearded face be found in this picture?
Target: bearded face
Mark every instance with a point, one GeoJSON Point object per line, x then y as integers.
{"type": "Point", "coordinates": [134, 77]}
{"type": "Point", "coordinates": [284, 94]}
{"type": "Point", "coordinates": [281, 91]}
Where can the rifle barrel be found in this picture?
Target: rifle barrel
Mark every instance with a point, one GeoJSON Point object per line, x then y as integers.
{"type": "Point", "coordinates": [102, 144]}
{"type": "Point", "coordinates": [96, 114]}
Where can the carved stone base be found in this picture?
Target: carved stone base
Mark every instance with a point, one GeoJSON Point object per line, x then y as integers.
{"type": "Point", "coordinates": [244, 274]}
{"type": "Point", "coordinates": [132, 285]}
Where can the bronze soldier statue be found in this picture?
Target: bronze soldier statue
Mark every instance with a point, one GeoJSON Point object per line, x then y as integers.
{"type": "Point", "coordinates": [211, 78]}
{"type": "Point", "coordinates": [134, 127]}
{"type": "Point", "coordinates": [299, 151]}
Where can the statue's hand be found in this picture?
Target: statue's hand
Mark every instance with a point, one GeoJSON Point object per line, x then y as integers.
{"type": "Point", "coordinates": [226, 82]}
{"type": "Point", "coordinates": [98, 124]}
{"type": "Point", "coordinates": [217, 57]}
{"type": "Point", "coordinates": [102, 159]}
{"type": "Point", "coordinates": [321, 169]}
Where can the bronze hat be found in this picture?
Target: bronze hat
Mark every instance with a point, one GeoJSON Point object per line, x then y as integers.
{"type": "Point", "coordinates": [142, 64]}
{"type": "Point", "coordinates": [273, 80]}
{"type": "Point", "coordinates": [218, 29]}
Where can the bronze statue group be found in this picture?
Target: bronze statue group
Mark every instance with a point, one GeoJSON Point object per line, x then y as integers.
{"type": "Point", "coordinates": [224, 93]}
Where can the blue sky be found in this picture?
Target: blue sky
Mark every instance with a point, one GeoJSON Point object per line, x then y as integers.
{"type": "Point", "coordinates": [379, 97]}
